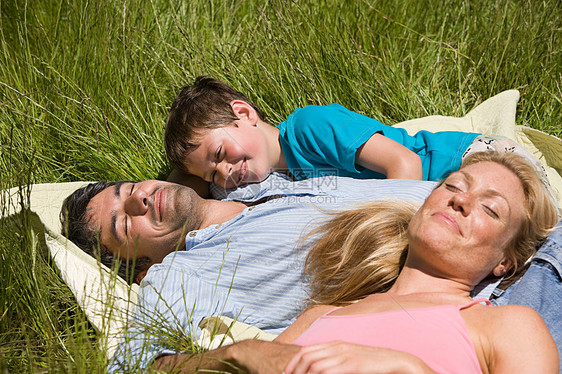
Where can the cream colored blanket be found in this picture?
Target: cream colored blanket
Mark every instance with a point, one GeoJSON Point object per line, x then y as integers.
{"type": "Point", "coordinates": [496, 116]}
{"type": "Point", "coordinates": [108, 301]}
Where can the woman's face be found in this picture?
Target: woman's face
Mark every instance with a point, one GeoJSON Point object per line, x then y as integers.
{"type": "Point", "coordinates": [465, 225]}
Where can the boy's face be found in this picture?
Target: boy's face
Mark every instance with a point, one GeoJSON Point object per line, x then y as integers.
{"type": "Point", "coordinates": [231, 156]}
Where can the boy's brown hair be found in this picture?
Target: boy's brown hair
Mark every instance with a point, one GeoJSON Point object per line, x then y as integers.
{"type": "Point", "coordinates": [203, 106]}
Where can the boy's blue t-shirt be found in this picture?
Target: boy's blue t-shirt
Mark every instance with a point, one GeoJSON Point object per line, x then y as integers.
{"type": "Point", "coordinates": [323, 140]}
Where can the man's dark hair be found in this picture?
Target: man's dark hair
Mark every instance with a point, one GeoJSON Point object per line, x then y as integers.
{"type": "Point", "coordinates": [205, 105]}
{"type": "Point", "coordinates": [76, 226]}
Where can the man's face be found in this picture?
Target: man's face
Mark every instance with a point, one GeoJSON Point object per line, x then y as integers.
{"type": "Point", "coordinates": [145, 219]}
{"type": "Point", "coordinates": [231, 156]}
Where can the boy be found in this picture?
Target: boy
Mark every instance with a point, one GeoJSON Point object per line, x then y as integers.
{"type": "Point", "coordinates": [216, 133]}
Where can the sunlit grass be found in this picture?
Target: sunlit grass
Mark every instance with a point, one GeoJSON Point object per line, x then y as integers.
{"type": "Point", "coordinates": [85, 88]}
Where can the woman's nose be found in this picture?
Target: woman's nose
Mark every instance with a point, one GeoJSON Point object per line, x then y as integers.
{"type": "Point", "coordinates": [462, 202]}
{"type": "Point", "coordinates": [137, 203]}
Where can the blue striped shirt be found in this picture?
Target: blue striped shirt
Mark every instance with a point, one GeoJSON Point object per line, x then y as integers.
{"type": "Point", "coordinates": [249, 268]}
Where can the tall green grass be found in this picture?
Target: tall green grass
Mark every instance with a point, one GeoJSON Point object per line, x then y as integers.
{"type": "Point", "coordinates": [85, 88]}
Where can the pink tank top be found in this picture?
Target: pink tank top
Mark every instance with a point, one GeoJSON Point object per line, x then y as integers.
{"type": "Point", "coordinates": [436, 334]}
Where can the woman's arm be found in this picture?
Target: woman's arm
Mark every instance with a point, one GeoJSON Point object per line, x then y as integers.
{"type": "Point", "coordinates": [340, 357]}
{"type": "Point", "coordinates": [384, 155]}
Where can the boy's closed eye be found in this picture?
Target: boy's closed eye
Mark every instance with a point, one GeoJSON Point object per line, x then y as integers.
{"type": "Point", "coordinates": [218, 158]}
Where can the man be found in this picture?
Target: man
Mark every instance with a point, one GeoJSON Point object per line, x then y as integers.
{"type": "Point", "coordinates": [243, 256]}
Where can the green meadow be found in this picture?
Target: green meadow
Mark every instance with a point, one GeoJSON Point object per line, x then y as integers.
{"type": "Point", "coordinates": [85, 88]}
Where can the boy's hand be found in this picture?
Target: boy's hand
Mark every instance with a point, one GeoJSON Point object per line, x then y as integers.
{"type": "Point", "coordinates": [385, 156]}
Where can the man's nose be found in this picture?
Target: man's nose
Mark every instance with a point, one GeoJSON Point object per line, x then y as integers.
{"type": "Point", "coordinates": [137, 203]}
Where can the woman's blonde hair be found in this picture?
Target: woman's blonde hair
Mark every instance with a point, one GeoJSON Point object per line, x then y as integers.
{"type": "Point", "coordinates": [361, 250]}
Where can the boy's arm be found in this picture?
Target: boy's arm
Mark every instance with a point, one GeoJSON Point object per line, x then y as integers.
{"type": "Point", "coordinates": [385, 156]}
{"type": "Point", "coordinates": [196, 183]}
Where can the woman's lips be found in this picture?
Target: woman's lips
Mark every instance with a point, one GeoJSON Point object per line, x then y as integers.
{"type": "Point", "coordinates": [449, 220]}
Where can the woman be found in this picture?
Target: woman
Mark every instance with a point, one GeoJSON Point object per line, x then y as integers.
{"type": "Point", "coordinates": [471, 226]}
{"type": "Point", "coordinates": [484, 220]}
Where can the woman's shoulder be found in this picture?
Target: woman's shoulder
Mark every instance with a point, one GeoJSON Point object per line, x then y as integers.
{"type": "Point", "coordinates": [317, 311]}
{"type": "Point", "coordinates": [504, 324]}
{"type": "Point", "coordinates": [513, 312]}
{"type": "Point", "coordinates": [511, 338]}
{"type": "Point", "coordinates": [303, 322]}
{"type": "Point", "coordinates": [520, 339]}
{"type": "Point", "coordinates": [502, 317]}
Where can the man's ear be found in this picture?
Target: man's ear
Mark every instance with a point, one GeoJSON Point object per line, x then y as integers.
{"type": "Point", "coordinates": [503, 267]}
{"type": "Point", "coordinates": [245, 113]}
{"type": "Point", "coordinates": [140, 276]}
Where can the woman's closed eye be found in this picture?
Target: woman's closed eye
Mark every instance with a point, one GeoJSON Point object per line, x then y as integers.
{"type": "Point", "coordinates": [452, 187]}
{"type": "Point", "coordinates": [491, 210]}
